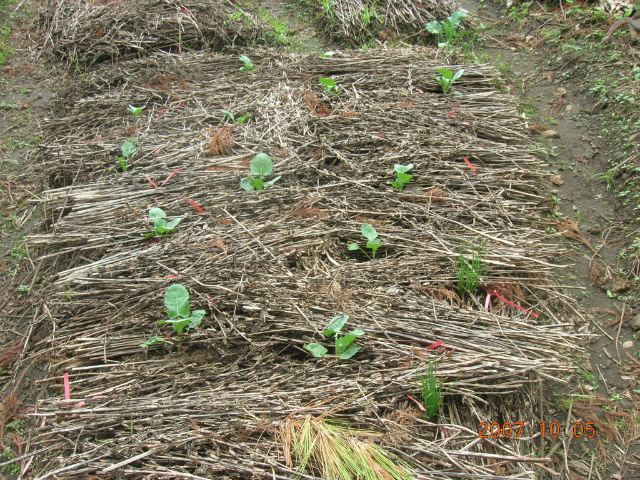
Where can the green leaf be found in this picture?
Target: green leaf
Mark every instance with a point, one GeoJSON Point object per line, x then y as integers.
{"type": "Point", "coordinates": [261, 165]}
{"type": "Point", "coordinates": [154, 339]}
{"type": "Point", "coordinates": [156, 213]}
{"type": "Point", "coordinates": [229, 115]}
{"type": "Point", "coordinates": [176, 300]}
{"type": "Point", "coordinates": [178, 324]}
{"type": "Point", "coordinates": [357, 333]}
{"type": "Point", "coordinates": [172, 224]}
{"type": "Point", "coordinates": [458, 74]}
{"type": "Point", "coordinates": [398, 185]}
{"type": "Point", "coordinates": [316, 349]}
{"type": "Point", "coordinates": [404, 177]}
{"type": "Point", "coordinates": [374, 245]}
{"type": "Point", "coordinates": [196, 317]}
{"type": "Point", "coordinates": [257, 183]}
{"type": "Point", "coordinates": [243, 118]}
{"type": "Point", "coordinates": [434, 27]}
{"type": "Point", "coordinates": [245, 183]}
{"type": "Point", "coordinates": [353, 246]}
{"type": "Point", "coordinates": [335, 325]}
{"type": "Point", "coordinates": [329, 83]}
{"type": "Point", "coordinates": [368, 231]}
{"type": "Point", "coordinates": [445, 72]}
{"type": "Point", "coordinates": [129, 147]}
{"type": "Point", "coordinates": [342, 343]}
{"type": "Point", "coordinates": [456, 17]}
{"type": "Point", "coordinates": [136, 111]}
{"type": "Point", "coordinates": [350, 352]}
{"type": "Point", "coordinates": [403, 168]}
{"type": "Point", "coordinates": [248, 65]}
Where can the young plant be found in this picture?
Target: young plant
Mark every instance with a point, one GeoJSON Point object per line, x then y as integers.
{"type": "Point", "coordinates": [233, 119]}
{"type": "Point", "coordinates": [128, 148]}
{"type": "Point", "coordinates": [447, 77]}
{"type": "Point", "coordinates": [402, 177]}
{"type": "Point", "coordinates": [160, 225]}
{"type": "Point", "coordinates": [261, 166]}
{"type": "Point", "coordinates": [471, 270]}
{"type": "Point", "coordinates": [329, 85]}
{"type": "Point", "coordinates": [176, 299]}
{"type": "Point", "coordinates": [247, 65]}
{"type": "Point", "coordinates": [430, 391]}
{"type": "Point", "coordinates": [373, 241]}
{"type": "Point", "coordinates": [345, 348]}
{"type": "Point", "coordinates": [135, 111]}
{"type": "Point", "coordinates": [448, 29]}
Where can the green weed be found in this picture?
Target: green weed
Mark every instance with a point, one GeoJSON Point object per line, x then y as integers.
{"type": "Point", "coordinates": [447, 77]}
{"type": "Point", "coordinates": [136, 111]}
{"type": "Point", "coordinates": [329, 85]}
{"type": "Point", "coordinates": [373, 242]}
{"type": "Point", "coordinates": [233, 119]}
{"type": "Point", "coordinates": [430, 391]}
{"type": "Point", "coordinates": [471, 269]}
{"type": "Point", "coordinates": [448, 30]}
{"type": "Point", "coordinates": [247, 65]}
{"type": "Point", "coordinates": [344, 346]}
{"type": "Point", "coordinates": [261, 166]}
{"type": "Point", "coordinates": [176, 299]}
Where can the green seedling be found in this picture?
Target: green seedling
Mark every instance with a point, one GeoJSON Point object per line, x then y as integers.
{"type": "Point", "coordinates": [261, 166]}
{"type": "Point", "coordinates": [136, 111]}
{"type": "Point", "coordinates": [447, 77]}
{"type": "Point", "coordinates": [402, 177]}
{"type": "Point", "coordinates": [233, 119]}
{"type": "Point", "coordinates": [176, 299]}
{"type": "Point", "coordinates": [447, 30]}
{"type": "Point", "coordinates": [329, 85]}
{"type": "Point", "coordinates": [471, 269]}
{"type": "Point", "coordinates": [373, 241]}
{"type": "Point", "coordinates": [344, 346]}
{"type": "Point", "coordinates": [128, 148]}
{"type": "Point", "coordinates": [247, 64]}
{"type": "Point", "coordinates": [430, 391]}
{"type": "Point", "coordinates": [160, 225]}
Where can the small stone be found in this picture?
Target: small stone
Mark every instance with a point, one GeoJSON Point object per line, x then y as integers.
{"type": "Point", "coordinates": [628, 344]}
{"type": "Point", "coordinates": [556, 180]}
{"type": "Point", "coordinates": [549, 133]}
{"type": "Point", "coordinates": [635, 322]}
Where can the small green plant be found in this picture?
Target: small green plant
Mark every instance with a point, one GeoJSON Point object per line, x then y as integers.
{"type": "Point", "coordinates": [261, 166]}
{"type": "Point", "coordinates": [160, 224]}
{"type": "Point", "coordinates": [176, 299]}
{"type": "Point", "coordinates": [345, 348]}
{"type": "Point", "coordinates": [607, 176]}
{"type": "Point", "coordinates": [329, 85]}
{"type": "Point", "coordinates": [233, 119]}
{"type": "Point", "coordinates": [402, 177]}
{"type": "Point", "coordinates": [247, 64]}
{"type": "Point", "coordinates": [135, 111]}
{"type": "Point", "coordinates": [448, 29]}
{"type": "Point", "coordinates": [128, 148]}
{"type": "Point", "coordinates": [447, 77]}
{"type": "Point", "coordinates": [430, 391]}
{"type": "Point", "coordinates": [471, 269]}
{"type": "Point", "coordinates": [373, 241]}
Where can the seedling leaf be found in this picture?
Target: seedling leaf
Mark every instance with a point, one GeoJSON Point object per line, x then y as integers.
{"type": "Point", "coordinates": [248, 65]}
{"type": "Point", "coordinates": [129, 147]}
{"type": "Point", "coordinates": [353, 246]}
{"type": "Point", "coordinates": [456, 18]}
{"type": "Point", "coordinates": [368, 231]}
{"type": "Point", "coordinates": [196, 318]}
{"type": "Point", "coordinates": [335, 325]}
{"type": "Point", "coordinates": [316, 349]}
{"type": "Point", "coordinates": [403, 168]}
{"type": "Point", "coordinates": [458, 74]}
{"type": "Point", "coordinates": [435, 27]}
{"type": "Point", "coordinates": [256, 183]}
{"type": "Point", "coordinates": [329, 84]}
{"type": "Point", "coordinates": [261, 165]}
{"type": "Point", "coordinates": [157, 215]}
{"type": "Point", "coordinates": [245, 183]}
{"type": "Point", "coordinates": [229, 115]}
{"type": "Point", "coordinates": [349, 352]}
{"type": "Point", "coordinates": [154, 339]}
{"type": "Point", "coordinates": [136, 111]}
{"type": "Point", "coordinates": [445, 72]}
{"type": "Point", "coordinates": [404, 177]}
{"type": "Point", "coordinates": [271, 182]}
{"type": "Point", "coordinates": [176, 300]}
{"type": "Point", "coordinates": [243, 118]}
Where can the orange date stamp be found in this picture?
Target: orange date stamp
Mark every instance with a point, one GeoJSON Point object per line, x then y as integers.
{"type": "Point", "coordinates": [547, 430]}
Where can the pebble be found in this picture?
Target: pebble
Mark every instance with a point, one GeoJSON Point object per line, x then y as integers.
{"type": "Point", "coordinates": [635, 322]}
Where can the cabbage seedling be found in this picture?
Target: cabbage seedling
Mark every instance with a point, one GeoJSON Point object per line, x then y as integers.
{"type": "Point", "coordinates": [345, 348]}
{"type": "Point", "coordinates": [261, 166]}
{"type": "Point", "coordinates": [247, 64]}
{"type": "Point", "coordinates": [373, 241]}
{"type": "Point", "coordinates": [329, 85]}
{"type": "Point", "coordinates": [160, 225]}
{"type": "Point", "coordinates": [176, 299]}
{"type": "Point", "coordinates": [447, 29]}
{"type": "Point", "coordinates": [233, 119]}
{"type": "Point", "coordinates": [135, 111]}
{"type": "Point", "coordinates": [402, 177]}
{"type": "Point", "coordinates": [447, 77]}
{"type": "Point", "coordinates": [128, 148]}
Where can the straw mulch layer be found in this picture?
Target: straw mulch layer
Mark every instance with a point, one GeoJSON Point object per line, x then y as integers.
{"type": "Point", "coordinates": [271, 268]}
{"type": "Point", "coordinates": [82, 33]}
{"type": "Point", "coordinates": [360, 21]}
